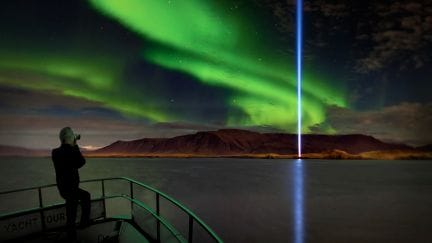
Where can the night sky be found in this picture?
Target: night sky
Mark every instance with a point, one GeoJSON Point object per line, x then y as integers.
{"type": "Point", "coordinates": [127, 69]}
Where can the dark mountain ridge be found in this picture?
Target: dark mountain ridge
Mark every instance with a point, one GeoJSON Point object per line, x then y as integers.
{"type": "Point", "coordinates": [235, 141]}
{"type": "Point", "coordinates": [243, 143]}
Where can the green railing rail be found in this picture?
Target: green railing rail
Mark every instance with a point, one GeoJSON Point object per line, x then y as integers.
{"type": "Point", "coordinates": [155, 213]}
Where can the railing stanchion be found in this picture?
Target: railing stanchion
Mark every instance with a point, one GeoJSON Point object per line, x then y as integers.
{"type": "Point", "coordinates": [41, 206]}
{"type": "Point", "coordinates": [103, 188]}
{"type": "Point", "coordinates": [132, 196]}
{"type": "Point", "coordinates": [190, 237]}
{"type": "Point", "coordinates": [103, 196]}
{"type": "Point", "coordinates": [158, 214]}
{"type": "Point", "coordinates": [40, 197]}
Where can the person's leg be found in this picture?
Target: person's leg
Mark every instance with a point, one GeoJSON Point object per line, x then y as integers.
{"type": "Point", "coordinates": [71, 210]}
{"type": "Point", "coordinates": [84, 197]}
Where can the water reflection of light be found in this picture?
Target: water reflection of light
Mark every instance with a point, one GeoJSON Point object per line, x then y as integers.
{"type": "Point", "coordinates": [298, 201]}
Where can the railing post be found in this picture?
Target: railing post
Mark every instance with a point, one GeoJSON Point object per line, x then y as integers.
{"type": "Point", "coordinates": [40, 197]}
{"type": "Point", "coordinates": [41, 210]}
{"type": "Point", "coordinates": [103, 196]}
{"type": "Point", "coordinates": [103, 188]}
{"type": "Point", "coordinates": [190, 237]}
{"type": "Point", "coordinates": [158, 214]}
{"type": "Point", "coordinates": [132, 196]}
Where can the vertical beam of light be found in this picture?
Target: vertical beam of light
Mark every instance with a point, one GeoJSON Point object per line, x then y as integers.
{"type": "Point", "coordinates": [298, 166]}
{"type": "Point", "coordinates": [299, 72]}
{"type": "Point", "coordinates": [298, 201]}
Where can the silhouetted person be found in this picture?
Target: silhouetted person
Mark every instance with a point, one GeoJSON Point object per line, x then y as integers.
{"type": "Point", "coordinates": [67, 160]}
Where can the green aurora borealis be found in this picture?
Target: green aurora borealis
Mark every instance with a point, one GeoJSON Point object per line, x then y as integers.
{"type": "Point", "coordinates": [197, 38]}
{"type": "Point", "coordinates": [163, 68]}
{"type": "Point", "coordinates": [80, 76]}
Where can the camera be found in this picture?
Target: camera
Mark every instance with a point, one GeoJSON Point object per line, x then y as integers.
{"type": "Point", "coordinates": [77, 137]}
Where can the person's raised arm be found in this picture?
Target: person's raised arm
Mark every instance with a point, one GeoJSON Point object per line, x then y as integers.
{"type": "Point", "coordinates": [78, 158]}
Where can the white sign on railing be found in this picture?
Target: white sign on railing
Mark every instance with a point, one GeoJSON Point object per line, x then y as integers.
{"type": "Point", "coordinates": [18, 226]}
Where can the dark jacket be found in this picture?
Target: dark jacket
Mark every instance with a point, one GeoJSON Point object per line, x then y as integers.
{"type": "Point", "coordinates": [67, 160]}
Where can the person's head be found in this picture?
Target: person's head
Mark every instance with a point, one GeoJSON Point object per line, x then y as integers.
{"type": "Point", "coordinates": [67, 136]}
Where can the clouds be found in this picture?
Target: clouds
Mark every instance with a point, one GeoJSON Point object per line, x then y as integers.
{"type": "Point", "coordinates": [328, 9]}
{"type": "Point", "coordinates": [283, 11]}
{"type": "Point", "coordinates": [401, 36]}
{"type": "Point", "coordinates": [33, 119]}
{"type": "Point", "coordinates": [20, 100]}
{"type": "Point", "coordinates": [382, 34]}
{"type": "Point", "coordinates": [143, 91]}
{"type": "Point", "coordinates": [406, 123]}
{"type": "Point", "coordinates": [36, 131]}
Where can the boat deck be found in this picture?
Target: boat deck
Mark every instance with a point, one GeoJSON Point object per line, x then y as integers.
{"type": "Point", "coordinates": [143, 222]}
{"type": "Point", "coordinates": [111, 231]}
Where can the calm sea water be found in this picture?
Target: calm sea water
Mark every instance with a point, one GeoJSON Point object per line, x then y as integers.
{"type": "Point", "coordinates": [246, 200]}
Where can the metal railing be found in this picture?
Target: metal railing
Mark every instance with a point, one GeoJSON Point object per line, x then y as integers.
{"type": "Point", "coordinates": [192, 218]}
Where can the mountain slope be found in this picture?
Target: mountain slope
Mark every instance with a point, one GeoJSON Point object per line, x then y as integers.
{"type": "Point", "coordinates": [235, 142]}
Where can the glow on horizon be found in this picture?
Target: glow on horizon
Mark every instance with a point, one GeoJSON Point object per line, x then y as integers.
{"type": "Point", "coordinates": [91, 147]}
{"type": "Point", "coordinates": [299, 72]}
